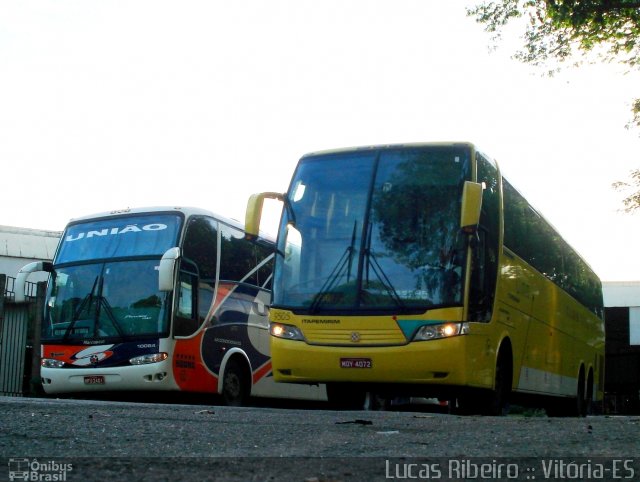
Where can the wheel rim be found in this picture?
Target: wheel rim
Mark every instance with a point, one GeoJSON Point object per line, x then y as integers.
{"type": "Point", "coordinates": [233, 390]}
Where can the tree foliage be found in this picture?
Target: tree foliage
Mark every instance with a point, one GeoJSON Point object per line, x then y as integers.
{"type": "Point", "coordinates": [632, 191]}
{"type": "Point", "coordinates": [558, 31]}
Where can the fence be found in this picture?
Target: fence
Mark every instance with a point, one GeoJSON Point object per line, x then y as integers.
{"type": "Point", "coordinates": [19, 333]}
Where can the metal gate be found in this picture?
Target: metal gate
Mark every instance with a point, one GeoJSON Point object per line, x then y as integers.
{"type": "Point", "coordinates": [16, 321]}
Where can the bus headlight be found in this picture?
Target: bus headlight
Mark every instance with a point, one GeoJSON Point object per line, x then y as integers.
{"type": "Point", "coordinates": [150, 358]}
{"type": "Point", "coordinates": [288, 332]}
{"type": "Point", "coordinates": [52, 363]}
{"type": "Point", "coordinates": [443, 330]}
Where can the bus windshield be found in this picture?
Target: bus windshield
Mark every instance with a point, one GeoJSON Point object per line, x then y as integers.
{"type": "Point", "coordinates": [105, 282]}
{"type": "Point", "coordinates": [115, 300]}
{"type": "Point", "coordinates": [374, 229]}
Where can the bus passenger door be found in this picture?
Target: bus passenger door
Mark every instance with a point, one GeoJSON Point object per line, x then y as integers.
{"type": "Point", "coordinates": [484, 270]}
{"type": "Point", "coordinates": [186, 315]}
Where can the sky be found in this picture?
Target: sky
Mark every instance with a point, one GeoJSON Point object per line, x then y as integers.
{"type": "Point", "coordinates": [112, 104]}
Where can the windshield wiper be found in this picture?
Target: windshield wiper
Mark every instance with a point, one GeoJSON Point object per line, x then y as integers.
{"type": "Point", "coordinates": [345, 261]}
{"type": "Point", "coordinates": [102, 301]}
{"type": "Point", "coordinates": [372, 262]}
{"type": "Point", "coordinates": [88, 299]}
{"type": "Point", "coordinates": [382, 278]}
{"type": "Point", "coordinates": [86, 304]}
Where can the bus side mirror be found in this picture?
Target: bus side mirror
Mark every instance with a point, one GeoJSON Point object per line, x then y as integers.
{"type": "Point", "coordinates": [254, 212]}
{"type": "Point", "coordinates": [167, 269]}
{"type": "Point", "coordinates": [23, 274]}
{"type": "Point", "coordinates": [471, 206]}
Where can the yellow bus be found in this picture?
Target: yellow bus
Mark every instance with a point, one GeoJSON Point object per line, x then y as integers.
{"type": "Point", "coordinates": [418, 270]}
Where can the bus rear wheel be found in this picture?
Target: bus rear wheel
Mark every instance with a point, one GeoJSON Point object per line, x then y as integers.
{"type": "Point", "coordinates": [346, 396]}
{"type": "Point", "coordinates": [236, 384]}
{"type": "Point", "coordinates": [588, 401]}
{"type": "Point", "coordinates": [577, 406]}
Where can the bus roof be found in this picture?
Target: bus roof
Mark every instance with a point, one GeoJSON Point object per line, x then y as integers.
{"type": "Point", "coordinates": [388, 146]}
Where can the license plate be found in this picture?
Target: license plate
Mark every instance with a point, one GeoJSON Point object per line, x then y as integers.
{"type": "Point", "coordinates": [356, 363]}
{"type": "Point", "coordinates": [94, 380]}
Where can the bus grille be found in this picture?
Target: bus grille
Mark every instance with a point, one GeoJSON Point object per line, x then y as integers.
{"type": "Point", "coordinates": [367, 337]}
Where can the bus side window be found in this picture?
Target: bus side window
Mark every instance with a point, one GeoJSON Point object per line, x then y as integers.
{"type": "Point", "coordinates": [186, 321]}
{"type": "Point", "coordinates": [245, 269]}
{"type": "Point", "coordinates": [200, 256]}
{"type": "Point", "coordinates": [237, 259]}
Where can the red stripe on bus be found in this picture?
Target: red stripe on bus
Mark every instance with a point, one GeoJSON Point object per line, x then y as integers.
{"type": "Point", "coordinates": [261, 372]}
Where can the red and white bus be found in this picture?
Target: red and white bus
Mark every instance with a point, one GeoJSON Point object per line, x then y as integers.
{"type": "Point", "coordinates": [159, 299]}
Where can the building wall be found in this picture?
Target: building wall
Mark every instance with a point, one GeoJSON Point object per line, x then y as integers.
{"type": "Point", "coordinates": [621, 293]}
{"type": "Point", "coordinates": [20, 246]}
{"type": "Point", "coordinates": [622, 367]}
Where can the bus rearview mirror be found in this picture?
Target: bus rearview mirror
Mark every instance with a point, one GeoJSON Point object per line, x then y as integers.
{"type": "Point", "coordinates": [254, 212]}
{"type": "Point", "coordinates": [471, 206]}
{"type": "Point", "coordinates": [21, 278]}
{"type": "Point", "coordinates": [167, 269]}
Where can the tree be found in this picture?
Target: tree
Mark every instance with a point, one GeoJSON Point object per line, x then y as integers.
{"type": "Point", "coordinates": [558, 31]}
{"type": "Point", "coordinates": [632, 200]}
{"type": "Point", "coordinates": [562, 29]}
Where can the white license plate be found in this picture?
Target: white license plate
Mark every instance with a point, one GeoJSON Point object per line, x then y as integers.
{"type": "Point", "coordinates": [356, 363]}
{"type": "Point", "coordinates": [94, 380]}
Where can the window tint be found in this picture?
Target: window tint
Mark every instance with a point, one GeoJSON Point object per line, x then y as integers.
{"type": "Point", "coordinates": [531, 237]}
{"type": "Point", "coordinates": [114, 299]}
{"type": "Point", "coordinates": [415, 252]}
{"type": "Point", "coordinates": [244, 261]}
{"type": "Point", "coordinates": [201, 246]}
{"type": "Point", "coordinates": [237, 257]}
{"type": "Point", "coordinates": [198, 274]}
{"type": "Point", "coordinates": [186, 296]}
{"type": "Point", "coordinates": [485, 260]}
{"type": "Point", "coordinates": [374, 229]}
{"type": "Point", "coordinates": [245, 274]}
{"type": "Point", "coordinates": [119, 237]}
{"type": "Point", "coordinates": [263, 274]}
{"type": "Point", "coordinates": [186, 322]}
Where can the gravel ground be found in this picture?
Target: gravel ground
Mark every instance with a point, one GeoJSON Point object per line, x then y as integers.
{"type": "Point", "coordinates": [144, 441]}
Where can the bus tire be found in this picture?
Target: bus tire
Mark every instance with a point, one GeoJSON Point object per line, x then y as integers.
{"type": "Point", "coordinates": [236, 384]}
{"type": "Point", "coordinates": [588, 401]}
{"type": "Point", "coordinates": [581, 396]}
{"type": "Point", "coordinates": [499, 403]}
{"type": "Point", "coordinates": [504, 381]}
{"type": "Point", "coordinates": [489, 402]}
{"type": "Point", "coordinates": [570, 407]}
{"type": "Point", "coordinates": [463, 405]}
{"type": "Point", "coordinates": [346, 396]}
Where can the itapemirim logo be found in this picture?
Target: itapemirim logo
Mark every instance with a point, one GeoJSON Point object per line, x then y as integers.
{"type": "Point", "coordinates": [34, 470]}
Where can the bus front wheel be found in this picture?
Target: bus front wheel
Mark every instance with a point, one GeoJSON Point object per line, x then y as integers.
{"type": "Point", "coordinates": [490, 402]}
{"type": "Point", "coordinates": [236, 384]}
{"type": "Point", "coordinates": [498, 401]}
